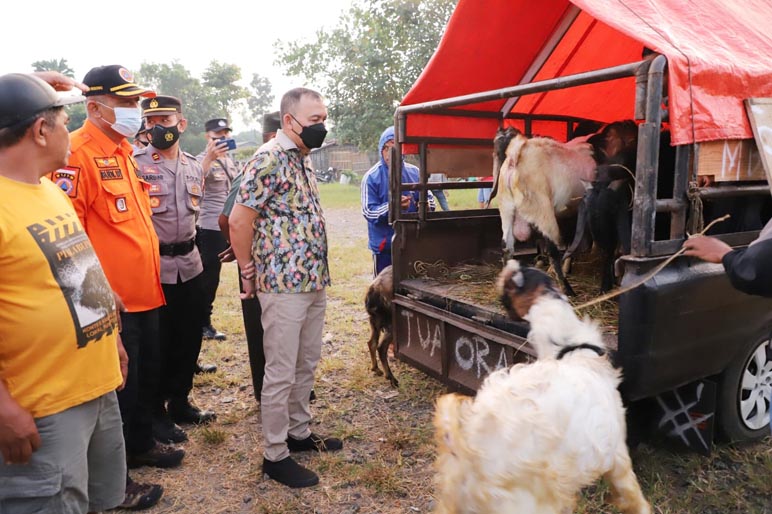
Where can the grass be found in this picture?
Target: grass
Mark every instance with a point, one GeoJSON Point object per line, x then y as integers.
{"type": "Point", "coordinates": [340, 196]}
{"type": "Point", "coordinates": [386, 466]}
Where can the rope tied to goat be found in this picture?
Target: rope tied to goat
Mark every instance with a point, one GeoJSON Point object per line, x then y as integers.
{"type": "Point", "coordinates": [652, 273]}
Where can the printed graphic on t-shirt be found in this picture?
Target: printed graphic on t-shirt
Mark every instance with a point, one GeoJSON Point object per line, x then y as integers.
{"type": "Point", "coordinates": [79, 274]}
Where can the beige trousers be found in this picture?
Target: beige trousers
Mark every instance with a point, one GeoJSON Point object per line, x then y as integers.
{"type": "Point", "coordinates": [292, 340]}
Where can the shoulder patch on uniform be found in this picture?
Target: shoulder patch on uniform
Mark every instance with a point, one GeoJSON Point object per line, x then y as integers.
{"type": "Point", "coordinates": [67, 180]}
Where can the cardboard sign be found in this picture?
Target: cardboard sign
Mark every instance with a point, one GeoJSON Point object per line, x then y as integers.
{"type": "Point", "coordinates": [760, 115]}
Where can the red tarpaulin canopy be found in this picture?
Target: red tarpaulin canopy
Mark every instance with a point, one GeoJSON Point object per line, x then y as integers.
{"type": "Point", "coordinates": [719, 53]}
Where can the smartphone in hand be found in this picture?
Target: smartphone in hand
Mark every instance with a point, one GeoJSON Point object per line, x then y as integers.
{"type": "Point", "coordinates": [230, 143]}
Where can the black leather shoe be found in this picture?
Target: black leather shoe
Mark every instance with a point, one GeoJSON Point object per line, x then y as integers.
{"type": "Point", "coordinates": [209, 332]}
{"type": "Point", "coordinates": [290, 473]}
{"type": "Point", "coordinates": [205, 368]}
{"type": "Point", "coordinates": [315, 443]}
{"type": "Point", "coordinates": [181, 411]}
{"type": "Point", "coordinates": [165, 431]}
{"type": "Point", "coordinates": [159, 456]}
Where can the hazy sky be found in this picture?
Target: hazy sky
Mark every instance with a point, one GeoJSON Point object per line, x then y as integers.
{"type": "Point", "coordinates": [194, 33]}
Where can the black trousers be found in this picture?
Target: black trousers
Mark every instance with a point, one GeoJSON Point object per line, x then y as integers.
{"type": "Point", "coordinates": [253, 327]}
{"type": "Point", "coordinates": [210, 244]}
{"type": "Point", "coordinates": [140, 336]}
{"type": "Point", "coordinates": [180, 331]}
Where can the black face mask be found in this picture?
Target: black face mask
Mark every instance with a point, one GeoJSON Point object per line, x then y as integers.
{"type": "Point", "coordinates": [312, 135]}
{"type": "Point", "coordinates": [164, 137]}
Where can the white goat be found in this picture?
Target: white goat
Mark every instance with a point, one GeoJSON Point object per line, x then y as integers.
{"type": "Point", "coordinates": [535, 179]}
{"type": "Point", "coordinates": [537, 433]}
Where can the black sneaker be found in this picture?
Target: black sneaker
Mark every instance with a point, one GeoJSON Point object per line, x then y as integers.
{"type": "Point", "coordinates": [181, 411]}
{"type": "Point", "coordinates": [159, 456]}
{"type": "Point", "coordinates": [209, 332]}
{"type": "Point", "coordinates": [314, 443]}
{"type": "Point", "coordinates": [165, 431]}
{"type": "Point", "coordinates": [290, 473]}
{"type": "Point", "coordinates": [141, 496]}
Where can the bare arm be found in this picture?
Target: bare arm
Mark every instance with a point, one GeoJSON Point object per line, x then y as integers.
{"type": "Point", "coordinates": [241, 234]}
{"type": "Point", "coordinates": [60, 82]}
{"type": "Point", "coordinates": [19, 435]}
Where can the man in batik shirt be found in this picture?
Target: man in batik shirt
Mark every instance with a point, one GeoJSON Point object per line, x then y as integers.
{"type": "Point", "coordinates": [283, 260]}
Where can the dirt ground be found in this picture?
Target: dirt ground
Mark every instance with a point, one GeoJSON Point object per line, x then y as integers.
{"type": "Point", "coordinates": [386, 466]}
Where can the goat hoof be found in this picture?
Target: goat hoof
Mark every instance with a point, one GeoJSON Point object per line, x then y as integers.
{"type": "Point", "coordinates": [394, 382]}
{"type": "Point", "coordinates": [377, 371]}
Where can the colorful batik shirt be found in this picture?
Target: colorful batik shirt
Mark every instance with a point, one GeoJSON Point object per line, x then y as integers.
{"type": "Point", "coordinates": [290, 243]}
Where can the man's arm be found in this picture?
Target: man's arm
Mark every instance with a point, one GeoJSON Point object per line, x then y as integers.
{"type": "Point", "coordinates": [374, 207]}
{"type": "Point", "coordinates": [19, 435]}
{"type": "Point", "coordinates": [747, 268]}
{"type": "Point", "coordinates": [750, 269]}
{"type": "Point", "coordinates": [241, 232]}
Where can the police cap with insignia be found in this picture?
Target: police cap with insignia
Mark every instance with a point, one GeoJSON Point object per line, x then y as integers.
{"type": "Point", "coordinates": [22, 97]}
{"type": "Point", "coordinates": [113, 80]}
{"type": "Point", "coordinates": [161, 106]}
{"type": "Point", "coordinates": [216, 125]}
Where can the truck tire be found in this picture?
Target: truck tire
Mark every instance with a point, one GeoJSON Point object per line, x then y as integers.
{"type": "Point", "coordinates": [744, 393]}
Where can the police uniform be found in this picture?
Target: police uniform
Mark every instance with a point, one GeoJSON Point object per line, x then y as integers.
{"type": "Point", "coordinates": [211, 242]}
{"type": "Point", "coordinates": [175, 187]}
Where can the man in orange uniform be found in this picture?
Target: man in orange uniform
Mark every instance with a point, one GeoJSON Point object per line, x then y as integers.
{"type": "Point", "coordinates": [113, 205]}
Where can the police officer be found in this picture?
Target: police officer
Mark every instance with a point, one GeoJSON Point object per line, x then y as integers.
{"type": "Point", "coordinates": [176, 187]}
{"type": "Point", "coordinates": [219, 172]}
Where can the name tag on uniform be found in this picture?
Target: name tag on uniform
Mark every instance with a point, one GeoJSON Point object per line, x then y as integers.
{"type": "Point", "coordinates": [114, 174]}
{"type": "Point", "coordinates": [219, 175]}
{"type": "Point", "coordinates": [120, 204]}
{"type": "Point", "coordinates": [155, 188]}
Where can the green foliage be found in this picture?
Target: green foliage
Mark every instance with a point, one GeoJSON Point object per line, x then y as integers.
{"type": "Point", "coordinates": [217, 94]}
{"type": "Point", "coordinates": [59, 65]}
{"type": "Point", "coordinates": [261, 99]}
{"type": "Point", "coordinates": [367, 63]}
{"type": "Point", "coordinates": [77, 113]}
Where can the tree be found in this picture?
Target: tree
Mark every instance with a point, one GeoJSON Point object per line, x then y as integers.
{"type": "Point", "coordinates": [220, 80]}
{"type": "Point", "coordinates": [215, 96]}
{"type": "Point", "coordinates": [59, 65]}
{"type": "Point", "coordinates": [261, 98]}
{"type": "Point", "coordinates": [366, 64]}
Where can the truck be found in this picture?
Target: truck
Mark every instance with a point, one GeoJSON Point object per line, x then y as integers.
{"type": "Point", "coordinates": [696, 355]}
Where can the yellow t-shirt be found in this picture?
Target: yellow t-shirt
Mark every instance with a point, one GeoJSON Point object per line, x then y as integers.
{"type": "Point", "coordinates": [58, 323]}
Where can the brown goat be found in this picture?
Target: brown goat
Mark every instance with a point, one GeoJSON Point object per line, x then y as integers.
{"type": "Point", "coordinates": [378, 306]}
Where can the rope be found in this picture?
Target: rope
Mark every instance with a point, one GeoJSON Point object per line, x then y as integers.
{"type": "Point", "coordinates": [649, 275]}
{"type": "Point", "coordinates": [426, 269]}
{"type": "Point", "coordinates": [696, 217]}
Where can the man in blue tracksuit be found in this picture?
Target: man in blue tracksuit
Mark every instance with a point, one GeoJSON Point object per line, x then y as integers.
{"type": "Point", "coordinates": [375, 201]}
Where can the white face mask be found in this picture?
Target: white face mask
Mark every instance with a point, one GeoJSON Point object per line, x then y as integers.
{"type": "Point", "coordinates": [128, 120]}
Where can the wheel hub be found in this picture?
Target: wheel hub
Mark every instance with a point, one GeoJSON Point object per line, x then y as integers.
{"type": "Point", "coordinates": [756, 388]}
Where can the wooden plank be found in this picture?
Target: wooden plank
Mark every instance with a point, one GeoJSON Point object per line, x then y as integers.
{"type": "Point", "coordinates": [760, 115]}
{"type": "Point", "coordinates": [460, 162]}
{"type": "Point", "coordinates": [730, 160]}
